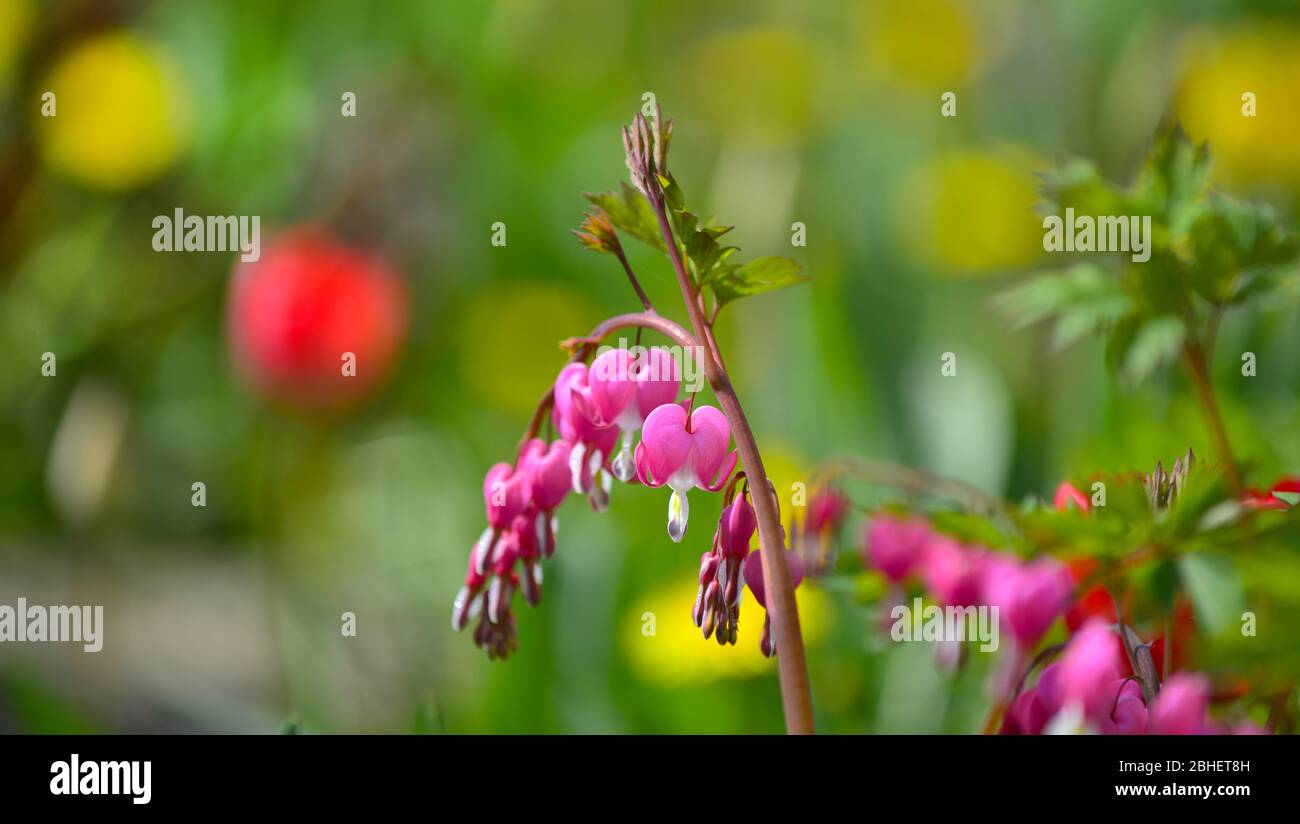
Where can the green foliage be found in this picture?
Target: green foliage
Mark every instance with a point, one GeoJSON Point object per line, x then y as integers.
{"type": "Point", "coordinates": [708, 260]}
{"type": "Point", "coordinates": [1209, 251]}
{"type": "Point", "coordinates": [630, 213]}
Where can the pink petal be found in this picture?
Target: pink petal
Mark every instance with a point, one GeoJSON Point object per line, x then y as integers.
{"type": "Point", "coordinates": [612, 387]}
{"type": "Point", "coordinates": [658, 379]}
{"type": "Point", "coordinates": [665, 441]}
{"type": "Point", "coordinates": [711, 435]}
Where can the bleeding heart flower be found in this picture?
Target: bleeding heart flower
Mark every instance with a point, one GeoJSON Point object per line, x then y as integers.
{"type": "Point", "coordinates": [753, 574]}
{"type": "Point", "coordinates": [684, 452]}
{"type": "Point", "coordinates": [549, 477]}
{"type": "Point", "coordinates": [1034, 707]}
{"type": "Point", "coordinates": [952, 571]}
{"type": "Point", "coordinates": [1040, 592]}
{"type": "Point", "coordinates": [1089, 669]}
{"type": "Point", "coordinates": [578, 421]}
{"type": "Point", "coordinates": [505, 494]}
{"type": "Point", "coordinates": [527, 548]}
{"type": "Point", "coordinates": [1128, 714]}
{"type": "Point", "coordinates": [625, 390]}
{"type": "Point", "coordinates": [1180, 708]}
{"type": "Point", "coordinates": [468, 603]}
{"type": "Point", "coordinates": [896, 545]}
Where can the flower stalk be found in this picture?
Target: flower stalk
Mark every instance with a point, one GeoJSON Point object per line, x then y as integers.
{"type": "Point", "coordinates": [796, 694]}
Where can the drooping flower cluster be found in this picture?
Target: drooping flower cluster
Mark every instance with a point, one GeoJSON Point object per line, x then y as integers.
{"type": "Point", "coordinates": [727, 568]}
{"type": "Point", "coordinates": [593, 409]}
{"type": "Point", "coordinates": [1030, 596]}
{"type": "Point", "coordinates": [1086, 690]}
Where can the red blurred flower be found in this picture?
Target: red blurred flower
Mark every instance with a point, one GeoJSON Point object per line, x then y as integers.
{"type": "Point", "coordinates": [295, 313]}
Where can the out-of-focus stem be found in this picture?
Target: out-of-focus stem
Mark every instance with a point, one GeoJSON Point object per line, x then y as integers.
{"type": "Point", "coordinates": [1198, 366]}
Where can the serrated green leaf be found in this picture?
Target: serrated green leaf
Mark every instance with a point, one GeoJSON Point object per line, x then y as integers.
{"type": "Point", "coordinates": [630, 214]}
{"type": "Point", "coordinates": [760, 275]}
{"type": "Point", "coordinates": [1084, 299]}
{"type": "Point", "coordinates": [1174, 177]}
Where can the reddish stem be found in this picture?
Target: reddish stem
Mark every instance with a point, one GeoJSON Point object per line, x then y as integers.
{"type": "Point", "coordinates": [796, 695]}
{"type": "Point", "coordinates": [583, 348]}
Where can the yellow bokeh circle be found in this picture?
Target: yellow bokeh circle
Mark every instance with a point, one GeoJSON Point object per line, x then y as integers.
{"type": "Point", "coordinates": [971, 212]}
{"type": "Point", "coordinates": [122, 115]}
{"type": "Point", "coordinates": [1221, 67]}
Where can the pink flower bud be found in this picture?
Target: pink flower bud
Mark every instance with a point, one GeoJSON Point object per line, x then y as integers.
{"type": "Point", "coordinates": [1089, 668]}
{"type": "Point", "coordinates": [1180, 708]}
{"type": "Point", "coordinates": [952, 572]}
{"type": "Point", "coordinates": [736, 527]}
{"type": "Point", "coordinates": [547, 468]}
{"type": "Point", "coordinates": [1040, 594]}
{"type": "Point", "coordinates": [505, 494]}
{"type": "Point", "coordinates": [896, 545]}
{"type": "Point", "coordinates": [1128, 714]}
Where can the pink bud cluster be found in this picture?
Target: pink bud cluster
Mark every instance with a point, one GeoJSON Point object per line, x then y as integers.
{"type": "Point", "coordinates": [1030, 596]}
{"type": "Point", "coordinates": [597, 411]}
{"type": "Point", "coordinates": [729, 567]}
{"type": "Point", "coordinates": [1086, 685]}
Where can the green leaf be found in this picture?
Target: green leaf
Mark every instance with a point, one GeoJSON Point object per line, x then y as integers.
{"type": "Point", "coordinates": [1215, 589]}
{"type": "Point", "coordinates": [1173, 179]}
{"type": "Point", "coordinates": [631, 214]}
{"type": "Point", "coordinates": [1291, 498]}
{"type": "Point", "coordinates": [760, 275]}
{"type": "Point", "coordinates": [1084, 300]}
{"type": "Point", "coordinates": [1155, 342]}
{"type": "Point", "coordinates": [1077, 185]}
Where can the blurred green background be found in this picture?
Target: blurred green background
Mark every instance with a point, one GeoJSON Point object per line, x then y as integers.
{"type": "Point", "coordinates": [227, 617]}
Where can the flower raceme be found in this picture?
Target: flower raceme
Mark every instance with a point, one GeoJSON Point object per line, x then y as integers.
{"type": "Point", "coordinates": [1030, 596]}
{"type": "Point", "coordinates": [620, 392]}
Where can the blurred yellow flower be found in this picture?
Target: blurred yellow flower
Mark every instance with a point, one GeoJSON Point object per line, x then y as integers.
{"type": "Point", "coordinates": [970, 213]}
{"type": "Point", "coordinates": [123, 116]}
{"type": "Point", "coordinates": [15, 20]}
{"type": "Point", "coordinates": [768, 77]}
{"type": "Point", "coordinates": [1221, 67]}
{"type": "Point", "coordinates": [929, 43]}
{"type": "Point", "coordinates": [511, 336]}
{"type": "Point", "coordinates": [677, 654]}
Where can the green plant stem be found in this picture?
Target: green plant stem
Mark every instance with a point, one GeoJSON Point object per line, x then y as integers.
{"type": "Point", "coordinates": [1198, 366]}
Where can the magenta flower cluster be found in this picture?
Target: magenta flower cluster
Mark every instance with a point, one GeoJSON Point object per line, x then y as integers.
{"type": "Point", "coordinates": [1086, 686]}
{"type": "Point", "coordinates": [597, 411]}
{"type": "Point", "coordinates": [1030, 596]}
